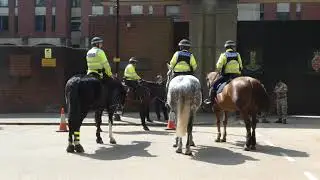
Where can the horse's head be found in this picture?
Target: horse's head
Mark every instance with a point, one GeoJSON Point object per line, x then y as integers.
{"type": "Point", "coordinates": [169, 75]}
{"type": "Point", "coordinates": [211, 78]}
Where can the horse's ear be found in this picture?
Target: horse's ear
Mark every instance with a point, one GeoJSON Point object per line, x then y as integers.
{"type": "Point", "coordinates": [168, 66]}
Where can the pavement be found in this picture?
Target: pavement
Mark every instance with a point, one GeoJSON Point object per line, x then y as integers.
{"type": "Point", "coordinates": [128, 119]}
{"type": "Point", "coordinates": [37, 152]}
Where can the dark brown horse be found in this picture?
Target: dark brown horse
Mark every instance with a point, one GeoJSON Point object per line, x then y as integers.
{"type": "Point", "coordinates": [244, 94]}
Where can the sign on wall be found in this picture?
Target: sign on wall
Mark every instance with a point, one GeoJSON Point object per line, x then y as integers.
{"type": "Point", "coordinates": [47, 53]}
{"type": "Point", "coordinates": [48, 61]}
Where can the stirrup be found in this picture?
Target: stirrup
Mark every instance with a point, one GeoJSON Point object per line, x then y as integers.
{"type": "Point", "coordinates": [207, 101]}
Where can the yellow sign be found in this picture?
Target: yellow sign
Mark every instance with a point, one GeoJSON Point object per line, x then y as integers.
{"type": "Point", "coordinates": [116, 59]}
{"type": "Point", "coordinates": [47, 53]}
{"type": "Point", "coordinates": [48, 62]}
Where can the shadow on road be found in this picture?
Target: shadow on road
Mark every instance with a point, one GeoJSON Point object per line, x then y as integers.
{"type": "Point", "coordinates": [119, 152]}
{"type": "Point", "coordinates": [161, 133]}
{"type": "Point", "coordinates": [221, 156]}
{"type": "Point", "coordinates": [273, 150]}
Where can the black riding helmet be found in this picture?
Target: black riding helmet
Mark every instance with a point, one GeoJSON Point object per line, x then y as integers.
{"type": "Point", "coordinates": [96, 40]}
{"type": "Point", "coordinates": [230, 44]}
{"type": "Point", "coordinates": [133, 60]}
{"type": "Point", "coordinates": [184, 44]}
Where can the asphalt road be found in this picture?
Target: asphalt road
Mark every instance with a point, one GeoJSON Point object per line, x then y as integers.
{"type": "Point", "coordinates": [283, 152]}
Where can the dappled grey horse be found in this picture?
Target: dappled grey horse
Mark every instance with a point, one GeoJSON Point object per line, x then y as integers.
{"type": "Point", "coordinates": [184, 99]}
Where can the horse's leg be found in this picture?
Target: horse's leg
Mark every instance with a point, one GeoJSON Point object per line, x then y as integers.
{"type": "Point", "coordinates": [78, 147]}
{"type": "Point", "coordinates": [176, 138]}
{"type": "Point", "coordinates": [98, 120]}
{"type": "Point", "coordinates": [112, 140]}
{"type": "Point", "coordinates": [248, 128]}
{"type": "Point", "coordinates": [157, 105]}
{"type": "Point", "coordinates": [254, 121]}
{"type": "Point", "coordinates": [148, 114]}
{"type": "Point", "coordinates": [143, 111]}
{"type": "Point", "coordinates": [218, 115]}
{"type": "Point", "coordinates": [165, 112]}
{"type": "Point", "coordinates": [225, 123]}
{"type": "Point", "coordinates": [189, 138]}
{"type": "Point", "coordinates": [179, 149]}
{"type": "Point", "coordinates": [71, 120]}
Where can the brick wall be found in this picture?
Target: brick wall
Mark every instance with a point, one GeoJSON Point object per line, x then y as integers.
{"type": "Point", "coordinates": [149, 38]}
{"type": "Point", "coordinates": [26, 86]}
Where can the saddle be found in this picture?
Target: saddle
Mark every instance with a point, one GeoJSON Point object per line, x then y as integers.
{"type": "Point", "coordinates": [222, 85]}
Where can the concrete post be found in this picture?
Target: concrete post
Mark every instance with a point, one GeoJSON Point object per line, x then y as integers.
{"type": "Point", "coordinates": [212, 23]}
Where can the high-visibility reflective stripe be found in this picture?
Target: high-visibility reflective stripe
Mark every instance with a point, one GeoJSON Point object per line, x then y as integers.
{"type": "Point", "coordinates": [77, 138]}
{"type": "Point", "coordinates": [182, 67]}
{"type": "Point", "coordinates": [76, 133]}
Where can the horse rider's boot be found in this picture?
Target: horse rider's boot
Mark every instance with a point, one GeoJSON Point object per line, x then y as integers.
{"type": "Point", "coordinates": [279, 120]}
{"type": "Point", "coordinates": [209, 100]}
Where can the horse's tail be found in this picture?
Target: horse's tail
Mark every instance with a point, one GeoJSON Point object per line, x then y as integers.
{"type": "Point", "coordinates": [183, 114]}
{"type": "Point", "coordinates": [260, 96]}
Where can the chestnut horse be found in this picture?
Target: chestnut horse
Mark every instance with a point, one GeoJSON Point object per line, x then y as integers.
{"type": "Point", "coordinates": [244, 94]}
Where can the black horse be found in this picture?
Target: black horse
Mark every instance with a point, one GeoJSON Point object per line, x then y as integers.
{"type": "Point", "coordinates": [148, 92]}
{"type": "Point", "coordinates": [85, 93]}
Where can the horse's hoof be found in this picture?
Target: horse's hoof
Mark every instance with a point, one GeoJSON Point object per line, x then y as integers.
{"type": "Point", "coordinates": [117, 117]}
{"type": "Point", "coordinates": [113, 141]}
{"type": "Point", "coordinates": [217, 140]}
{"type": "Point", "coordinates": [246, 148]}
{"type": "Point", "coordinates": [175, 145]}
{"type": "Point", "coordinates": [70, 148]}
{"type": "Point", "coordinates": [253, 148]}
{"type": "Point", "coordinates": [149, 120]}
{"type": "Point", "coordinates": [146, 128]}
{"type": "Point", "coordinates": [78, 148]}
{"type": "Point", "coordinates": [188, 152]}
{"type": "Point", "coordinates": [179, 150]}
{"type": "Point", "coordinates": [99, 141]}
{"type": "Point", "coordinates": [223, 140]}
{"type": "Point", "coordinates": [192, 144]}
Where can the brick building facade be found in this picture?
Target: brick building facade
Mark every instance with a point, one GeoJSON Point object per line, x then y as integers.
{"type": "Point", "coordinates": [33, 22]}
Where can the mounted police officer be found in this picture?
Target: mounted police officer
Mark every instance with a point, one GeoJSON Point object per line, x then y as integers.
{"type": "Point", "coordinates": [229, 66]}
{"type": "Point", "coordinates": [183, 62]}
{"type": "Point", "coordinates": [97, 61]}
{"type": "Point", "coordinates": [131, 78]}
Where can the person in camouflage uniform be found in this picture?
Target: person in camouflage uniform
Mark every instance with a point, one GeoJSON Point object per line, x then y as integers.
{"type": "Point", "coordinates": [281, 90]}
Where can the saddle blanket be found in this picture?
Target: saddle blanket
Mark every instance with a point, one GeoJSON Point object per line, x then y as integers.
{"type": "Point", "coordinates": [222, 85]}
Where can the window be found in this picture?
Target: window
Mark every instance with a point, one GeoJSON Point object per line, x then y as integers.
{"type": "Point", "coordinates": [150, 9]}
{"type": "Point", "coordinates": [96, 3]}
{"type": "Point", "coordinates": [298, 11]}
{"type": "Point", "coordinates": [40, 3]}
{"type": "Point", "coordinates": [3, 3]}
{"type": "Point", "coordinates": [76, 3]}
{"type": "Point", "coordinates": [4, 23]}
{"type": "Point", "coordinates": [137, 9]}
{"type": "Point", "coordinates": [111, 10]}
{"type": "Point", "coordinates": [53, 3]}
{"type": "Point", "coordinates": [261, 11]}
{"type": "Point", "coordinates": [40, 23]}
{"type": "Point", "coordinates": [76, 24]}
{"type": "Point", "coordinates": [53, 25]}
{"type": "Point", "coordinates": [16, 3]}
{"type": "Point", "coordinates": [173, 11]}
{"type": "Point", "coordinates": [283, 10]}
